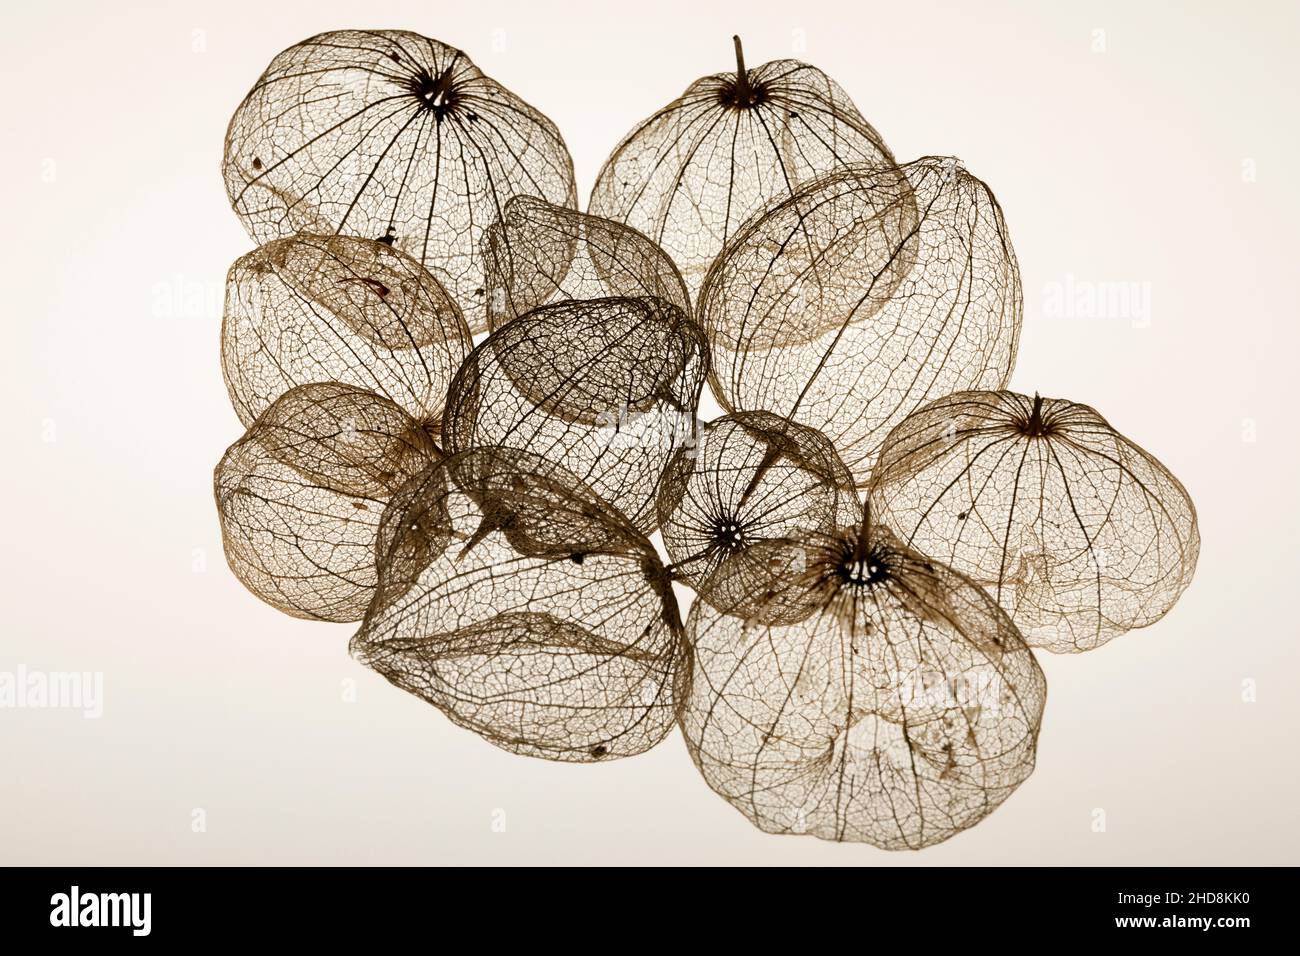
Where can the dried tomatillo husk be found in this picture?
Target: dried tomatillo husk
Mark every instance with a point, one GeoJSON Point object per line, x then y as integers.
{"type": "Point", "coordinates": [539, 253]}
{"type": "Point", "coordinates": [897, 708]}
{"type": "Point", "coordinates": [335, 308]}
{"type": "Point", "coordinates": [391, 136]}
{"type": "Point", "coordinates": [749, 478]}
{"type": "Point", "coordinates": [301, 494]}
{"type": "Point", "coordinates": [607, 387]}
{"type": "Point", "coordinates": [692, 173]}
{"type": "Point", "coordinates": [884, 341]}
{"type": "Point", "coordinates": [1079, 533]}
{"type": "Point", "coordinates": [544, 621]}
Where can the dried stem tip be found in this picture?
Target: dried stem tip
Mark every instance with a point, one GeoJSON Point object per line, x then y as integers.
{"type": "Point", "coordinates": [1035, 424]}
{"type": "Point", "coordinates": [744, 94]}
{"type": "Point", "coordinates": [435, 92]}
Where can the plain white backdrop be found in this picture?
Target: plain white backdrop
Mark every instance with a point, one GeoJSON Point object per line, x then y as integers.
{"type": "Point", "coordinates": [1143, 147]}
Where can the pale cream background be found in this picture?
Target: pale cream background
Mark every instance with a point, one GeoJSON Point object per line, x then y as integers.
{"type": "Point", "coordinates": [1119, 165]}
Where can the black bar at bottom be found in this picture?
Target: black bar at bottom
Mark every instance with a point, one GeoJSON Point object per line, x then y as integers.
{"type": "Point", "coordinates": [981, 907]}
